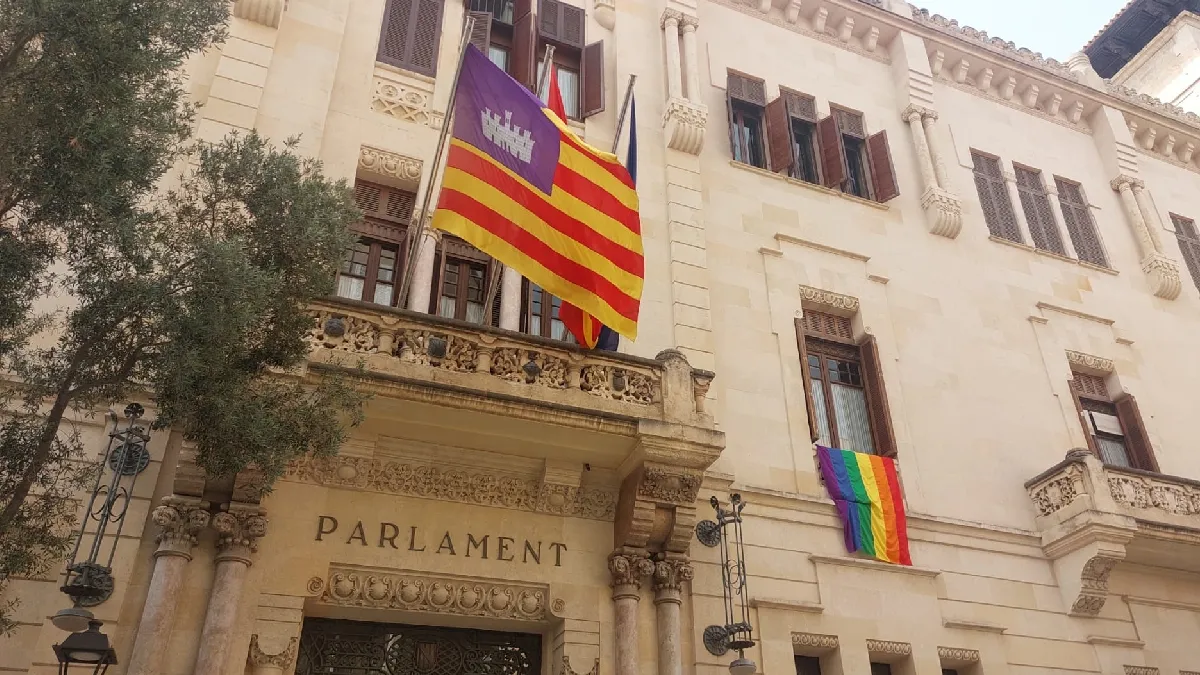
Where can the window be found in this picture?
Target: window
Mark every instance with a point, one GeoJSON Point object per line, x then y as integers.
{"type": "Point", "coordinates": [371, 266]}
{"type": "Point", "coordinates": [515, 39]}
{"type": "Point", "coordinates": [540, 316]}
{"type": "Point", "coordinates": [1036, 204]}
{"type": "Point", "coordinates": [410, 35]}
{"type": "Point", "coordinates": [1189, 245]}
{"type": "Point", "coordinates": [853, 162]}
{"type": "Point", "coordinates": [791, 122]}
{"type": "Point", "coordinates": [808, 665]}
{"type": "Point", "coordinates": [746, 97]}
{"type": "Point", "coordinates": [1114, 429]}
{"type": "Point", "coordinates": [847, 405]}
{"type": "Point", "coordinates": [993, 197]}
{"type": "Point", "coordinates": [1078, 219]}
{"type": "Point", "coordinates": [881, 668]}
{"type": "Point", "coordinates": [464, 279]}
{"type": "Point", "coordinates": [949, 671]}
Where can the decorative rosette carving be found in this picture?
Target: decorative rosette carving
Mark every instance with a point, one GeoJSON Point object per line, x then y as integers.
{"type": "Point", "coordinates": [440, 594]}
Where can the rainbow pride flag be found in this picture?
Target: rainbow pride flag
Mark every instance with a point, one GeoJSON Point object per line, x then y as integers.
{"type": "Point", "coordinates": [866, 490]}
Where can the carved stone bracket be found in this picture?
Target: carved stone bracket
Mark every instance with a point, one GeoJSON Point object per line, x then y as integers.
{"type": "Point", "coordinates": [813, 644]}
{"type": "Point", "coordinates": [389, 164]}
{"type": "Point", "coordinates": [828, 299]}
{"type": "Point", "coordinates": [265, 12]}
{"type": "Point", "coordinates": [1096, 364]}
{"type": "Point", "coordinates": [670, 485]}
{"type": "Point", "coordinates": [180, 520]}
{"type": "Point", "coordinates": [684, 123]}
{"type": "Point", "coordinates": [271, 662]}
{"type": "Point", "coordinates": [1094, 583]}
{"type": "Point", "coordinates": [1163, 274]}
{"type": "Point", "coordinates": [238, 531]}
{"type": "Point", "coordinates": [568, 670]}
{"type": "Point", "coordinates": [943, 212]}
{"type": "Point", "coordinates": [443, 594]}
{"type": "Point", "coordinates": [605, 12]}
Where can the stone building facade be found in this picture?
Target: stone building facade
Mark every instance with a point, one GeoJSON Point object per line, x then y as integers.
{"type": "Point", "coordinates": [863, 224]}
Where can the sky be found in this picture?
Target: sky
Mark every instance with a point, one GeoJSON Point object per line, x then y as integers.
{"type": "Point", "coordinates": [1056, 28]}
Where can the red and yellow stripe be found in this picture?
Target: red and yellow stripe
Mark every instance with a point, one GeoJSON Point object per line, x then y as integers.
{"type": "Point", "coordinates": [582, 242]}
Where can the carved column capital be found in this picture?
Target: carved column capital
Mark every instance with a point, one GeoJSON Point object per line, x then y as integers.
{"type": "Point", "coordinates": [671, 17]}
{"type": "Point", "coordinates": [912, 113]}
{"type": "Point", "coordinates": [669, 575]}
{"type": "Point", "coordinates": [238, 531]}
{"type": "Point", "coordinates": [689, 23]}
{"type": "Point", "coordinates": [929, 117]}
{"type": "Point", "coordinates": [628, 570]}
{"type": "Point", "coordinates": [1125, 180]}
{"type": "Point", "coordinates": [262, 660]}
{"type": "Point", "coordinates": [180, 520]}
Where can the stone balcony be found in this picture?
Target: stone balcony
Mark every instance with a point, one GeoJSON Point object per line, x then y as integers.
{"type": "Point", "coordinates": [438, 382]}
{"type": "Point", "coordinates": [1092, 517]}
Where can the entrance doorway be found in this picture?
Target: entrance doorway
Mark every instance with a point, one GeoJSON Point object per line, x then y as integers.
{"type": "Point", "coordinates": [337, 647]}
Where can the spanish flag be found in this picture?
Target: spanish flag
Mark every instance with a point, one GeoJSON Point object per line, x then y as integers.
{"type": "Point", "coordinates": [522, 187]}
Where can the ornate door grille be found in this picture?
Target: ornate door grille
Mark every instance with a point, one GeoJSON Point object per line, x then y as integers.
{"type": "Point", "coordinates": [333, 647]}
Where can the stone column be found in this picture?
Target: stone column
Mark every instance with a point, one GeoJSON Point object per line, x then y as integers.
{"type": "Point", "coordinates": [422, 279]}
{"type": "Point", "coordinates": [510, 299]}
{"type": "Point", "coordinates": [669, 576]}
{"type": "Point", "coordinates": [692, 67]}
{"type": "Point", "coordinates": [238, 531]}
{"type": "Point", "coordinates": [1124, 185]}
{"type": "Point", "coordinates": [263, 663]}
{"type": "Point", "coordinates": [929, 121]}
{"type": "Point", "coordinates": [913, 115]}
{"type": "Point", "coordinates": [670, 28]}
{"type": "Point", "coordinates": [1060, 221]}
{"type": "Point", "coordinates": [627, 570]}
{"type": "Point", "coordinates": [1149, 215]}
{"type": "Point", "coordinates": [1014, 196]}
{"type": "Point", "coordinates": [180, 520]}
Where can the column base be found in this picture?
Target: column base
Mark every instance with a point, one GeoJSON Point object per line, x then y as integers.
{"type": "Point", "coordinates": [943, 212]}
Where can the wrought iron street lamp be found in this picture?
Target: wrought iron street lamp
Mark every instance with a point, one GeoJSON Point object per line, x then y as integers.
{"type": "Point", "coordinates": [89, 580]}
{"type": "Point", "coordinates": [737, 633]}
{"type": "Point", "coordinates": [89, 649]}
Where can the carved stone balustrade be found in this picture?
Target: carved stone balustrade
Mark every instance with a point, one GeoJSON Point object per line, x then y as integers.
{"type": "Point", "coordinates": [1092, 517]}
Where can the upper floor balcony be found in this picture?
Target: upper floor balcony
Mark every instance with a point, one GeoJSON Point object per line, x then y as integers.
{"type": "Point", "coordinates": [1093, 516]}
{"type": "Point", "coordinates": [440, 382]}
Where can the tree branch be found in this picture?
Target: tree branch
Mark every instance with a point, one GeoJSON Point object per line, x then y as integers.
{"type": "Point", "coordinates": [19, 45]}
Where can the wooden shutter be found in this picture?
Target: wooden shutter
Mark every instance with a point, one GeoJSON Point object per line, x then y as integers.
{"type": "Point", "coordinates": [1137, 441]}
{"type": "Point", "coordinates": [523, 63]}
{"type": "Point", "coordinates": [744, 88]}
{"type": "Point", "coordinates": [591, 73]}
{"type": "Point", "coordinates": [1087, 428]}
{"type": "Point", "coordinates": [411, 34]}
{"type": "Point", "coordinates": [883, 172]}
{"type": "Point", "coordinates": [806, 381]}
{"type": "Point", "coordinates": [779, 136]}
{"type": "Point", "coordinates": [481, 31]}
{"type": "Point", "coordinates": [386, 211]}
{"type": "Point", "coordinates": [561, 22]}
{"type": "Point", "coordinates": [833, 154]}
{"type": "Point", "coordinates": [881, 415]}
{"type": "Point", "coordinates": [800, 106]}
{"type": "Point", "coordinates": [1080, 226]}
{"type": "Point", "coordinates": [998, 210]}
{"type": "Point", "coordinates": [1189, 245]}
{"type": "Point", "coordinates": [1043, 228]}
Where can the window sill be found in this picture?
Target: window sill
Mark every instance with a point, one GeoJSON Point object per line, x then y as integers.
{"type": "Point", "coordinates": [810, 186]}
{"type": "Point", "coordinates": [1048, 254]}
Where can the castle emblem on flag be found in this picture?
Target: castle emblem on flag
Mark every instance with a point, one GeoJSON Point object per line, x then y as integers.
{"type": "Point", "coordinates": [514, 139]}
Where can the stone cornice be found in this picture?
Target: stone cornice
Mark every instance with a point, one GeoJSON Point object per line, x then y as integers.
{"type": "Point", "coordinates": [1090, 362]}
{"type": "Point", "coordinates": [828, 299]}
{"type": "Point", "coordinates": [389, 164]}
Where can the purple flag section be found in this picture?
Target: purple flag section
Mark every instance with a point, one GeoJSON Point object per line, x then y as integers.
{"type": "Point", "coordinates": [836, 482]}
{"type": "Point", "coordinates": [497, 115]}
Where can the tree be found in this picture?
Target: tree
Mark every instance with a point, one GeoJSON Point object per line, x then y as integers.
{"type": "Point", "coordinates": [193, 295]}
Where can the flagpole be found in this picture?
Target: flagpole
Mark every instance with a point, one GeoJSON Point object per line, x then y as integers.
{"type": "Point", "coordinates": [624, 111]}
{"type": "Point", "coordinates": [419, 226]}
{"type": "Point", "coordinates": [497, 274]}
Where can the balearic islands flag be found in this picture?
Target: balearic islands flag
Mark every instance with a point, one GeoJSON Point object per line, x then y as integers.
{"type": "Point", "coordinates": [522, 187]}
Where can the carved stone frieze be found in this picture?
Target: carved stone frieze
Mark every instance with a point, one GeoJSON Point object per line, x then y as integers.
{"type": "Point", "coordinates": [265, 12]}
{"type": "Point", "coordinates": [1146, 492]}
{"type": "Point", "coordinates": [406, 101]}
{"type": "Point", "coordinates": [829, 299]}
{"type": "Point", "coordinates": [1142, 670]}
{"type": "Point", "coordinates": [814, 642]}
{"type": "Point", "coordinates": [1089, 362]}
{"type": "Point", "coordinates": [1058, 490]}
{"type": "Point", "coordinates": [1163, 274]}
{"type": "Point", "coordinates": [483, 488]}
{"type": "Point", "coordinates": [390, 164]}
{"type": "Point", "coordinates": [943, 212]}
{"type": "Point", "coordinates": [957, 655]}
{"type": "Point", "coordinates": [628, 569]}
{"type": "Point", "coordinates": [568, 670]}
{"type": "Point", "coordinates": [672, 485]}
{"type": "Point", "coordinates": [886, 647]}
{"type": "Point", "coordinates": [239, 529]}
{"type": "Point", "coordinates": [684, 123]}
{"type": "Point", "coordinates": [282, 660]}
{"type": "Point", "coordinates": [1094, 584]}
{"type": "Point", "coordinates": [180, 520]}
{"type": "Point", "coordinates": [669, 575]}
{"type": "Point", "coordinates": [443, 594]}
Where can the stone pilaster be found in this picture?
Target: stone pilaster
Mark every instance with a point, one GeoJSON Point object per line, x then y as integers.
{"type": "Point", "coordinates": [943, 209]}
{"type": "Point", "coordinates": [1162, 272]}
{"type": "Point", "coordinates": [628, 568]}
{"type": "Point", "coordinates": [180, 520]}
{"type": "Point", "coordinates": [422, 274]}
{"type": "Point", "coordinates": [669, 577]}
{"type": "Point", "coordinates": [510, 299]}
{"type": "Point", "coordinates": [238, 530]}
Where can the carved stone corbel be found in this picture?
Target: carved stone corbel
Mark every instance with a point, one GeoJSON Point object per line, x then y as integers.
{"type": "Point", "coordinates": [943, 212]}
{"type": "Point", "coordinates": [1162, 273]}
{"type": "Point", "coordinates": [568, 670]}
{"type": "Point", "coordinates": [265, 12]}
{"type": "Point", "coordinates": [1093, 583]}
{"type": "Point", "coordinates": [683, 124]}
{"type": "Point", "coordinates": [271, 663]}
{"type": "Point", "coordinates": [605, 12]}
